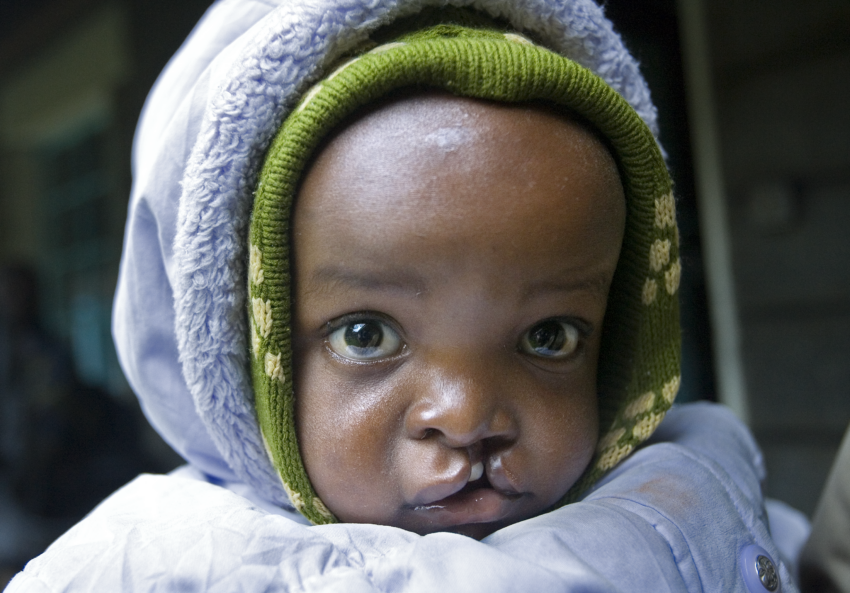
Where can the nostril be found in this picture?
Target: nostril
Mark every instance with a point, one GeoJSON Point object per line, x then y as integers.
{"type": "Point", "coordinates": [496, 444]}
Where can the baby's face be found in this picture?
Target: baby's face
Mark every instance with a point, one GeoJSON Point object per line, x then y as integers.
{"type": "Point", "coordinates": [452, 262]}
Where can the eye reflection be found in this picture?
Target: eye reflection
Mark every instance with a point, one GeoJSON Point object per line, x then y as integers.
{"type": "Point", "coordinates": [364, 339]}
{"type": "Point", "coordinates": [552, 338]}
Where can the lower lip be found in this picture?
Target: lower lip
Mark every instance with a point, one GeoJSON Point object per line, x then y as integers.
{"type": "Point", "coordinates": [484, 505]}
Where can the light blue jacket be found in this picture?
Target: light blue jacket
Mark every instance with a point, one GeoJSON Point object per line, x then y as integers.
{"type": "Point", "coordinates": [683, 513]}
{"type": "Point", "coordinates": [680, 514]}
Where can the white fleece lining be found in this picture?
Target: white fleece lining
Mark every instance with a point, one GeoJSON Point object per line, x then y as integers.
{"type": "Point", "coordinates": [285, 54]}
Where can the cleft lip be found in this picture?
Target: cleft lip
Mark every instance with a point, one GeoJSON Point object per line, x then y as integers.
{"type": "Point", "coordinates": [457, 480]}
{"type": "Point", "coordinates": [477, 503]}
{"type": "Point", "coordinates": [441, 487]}
{"type": "Point", "coordinates": [500, 478]}
{"type": "Point", "coordinates": [492, 480]}
{"type": "Point", "coordinates": [491, 477]}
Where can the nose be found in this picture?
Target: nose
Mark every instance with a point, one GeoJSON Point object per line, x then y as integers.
{"type": "Point", "coordinates": [462, 401]}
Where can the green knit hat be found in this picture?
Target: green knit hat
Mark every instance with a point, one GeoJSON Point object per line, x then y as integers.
{"type": "Point", "coordinates": [638, 374]}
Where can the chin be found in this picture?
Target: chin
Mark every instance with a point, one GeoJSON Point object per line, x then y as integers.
{"type": "Point", "coordinates": [478, 531]}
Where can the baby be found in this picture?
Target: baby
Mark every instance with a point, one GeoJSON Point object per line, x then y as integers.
{"type": "Point", "coordinates": [452, 255]}
{"type": "Point", "coordinates": [459, 257]}
{"type": "Point", "coordinates": [448, 319]}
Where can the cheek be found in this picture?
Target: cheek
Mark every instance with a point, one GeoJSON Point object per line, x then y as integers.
{"type": "Point", "coordinates": [345, 433]}
{"type": "Point", "coordinates": [562, 438]}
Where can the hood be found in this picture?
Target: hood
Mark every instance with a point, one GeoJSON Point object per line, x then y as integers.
{"type": "Point", "coordinates": [179, 318]}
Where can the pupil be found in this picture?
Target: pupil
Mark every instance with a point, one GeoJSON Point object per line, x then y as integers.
{"type": "Point", "coordinates": [363, 335]}
{"type": "Point", "coordinates": [548, 336]}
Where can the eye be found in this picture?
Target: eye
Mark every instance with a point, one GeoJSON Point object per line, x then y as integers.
{"type": "Point", "coordinates": [365, 339]}
{"type": "Point", "coordinates": [552, 338]}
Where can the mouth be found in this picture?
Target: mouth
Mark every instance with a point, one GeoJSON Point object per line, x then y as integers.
{"type": "Point", "coordinates": [477, 502]}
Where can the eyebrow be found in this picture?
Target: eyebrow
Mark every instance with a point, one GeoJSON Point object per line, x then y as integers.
{"type": "Point", "coordinates": [405, 281]}
{"type": "Point", "coordinates": [597, 284]}
{"type": "Point", "coordinates": [386, 280]}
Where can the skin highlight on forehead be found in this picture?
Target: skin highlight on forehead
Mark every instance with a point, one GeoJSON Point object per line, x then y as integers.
{"type": "Point", "coordinates": [448, 139]}
{"type": "Point", "coordinates": [452, 259]}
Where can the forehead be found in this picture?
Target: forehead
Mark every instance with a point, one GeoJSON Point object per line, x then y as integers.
{"type": "Point", "coordinates": [458, 202]}
{"type": "Point", "coordinates": [433, 156]}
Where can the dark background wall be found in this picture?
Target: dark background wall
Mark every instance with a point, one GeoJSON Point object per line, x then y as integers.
{"type": "Point", "coordinates": [781, 73]}
{"type": "Point", "coordinates": [74, 75]}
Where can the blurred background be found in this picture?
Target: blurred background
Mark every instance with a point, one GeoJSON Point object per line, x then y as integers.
{"type": "Point", "coordinates": [753, 98]}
